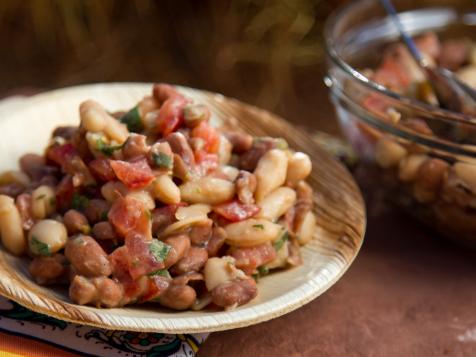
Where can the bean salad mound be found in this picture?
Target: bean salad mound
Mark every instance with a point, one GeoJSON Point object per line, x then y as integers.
{"type": "Point", "coordinates": [157, 205]}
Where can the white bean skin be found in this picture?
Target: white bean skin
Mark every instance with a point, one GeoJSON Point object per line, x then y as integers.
{"type": "Point", "coordinates": [209, 190]}
{"type": "Point", "coordinates": [408, 167]}
{"type": "Point", "coordinates": [299, 167]}
{"type": "Point", "coordinates": [144, 196]}
{"type": "Point", "coordinates": [277, 203]}
{"type": "Point", "coordinates": [252, 232]}
{"type": "Point", "coordinates": [43, 202]}
{"type": "Point", "coordinates": [306, 230]}
{"type": "Point", "coordinates": [220, 270]}
{"type": "Point", "coordinates": [270, 172]}
{"type": "Point", "coordinates": [388, 153]}
{"type": "Point", "coordinates": [47, 237]}
{"type": "Point", "coordinates": [224, 150]}
{"type": "Point", "coordinates": [14, 176]}
{"type": "Point", "coordinates": [11, 230]}
{"type": "Point", "coordinates": [165, 190]}
{"type": "Point", "coordinates": [192, 211]}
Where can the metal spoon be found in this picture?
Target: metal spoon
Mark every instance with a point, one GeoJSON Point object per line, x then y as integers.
{"type": "Point", "coordinates": [452, 93]}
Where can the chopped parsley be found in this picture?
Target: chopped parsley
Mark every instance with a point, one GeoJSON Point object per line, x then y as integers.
{"type": "Point", "coordinates": [104, 216]}
{"type": "Point", "coordinates": [279, 243]}
{"type": "Point", "coordinates": [79, 202]}
{"type": "Point", "coordinates": [106, 149]}
{"type": "Point", "coordinates": [38, 247]}
{"type": "Point", "coordinates": [162, 272]}
{"type": "Point", "coordinates": [162, 160]}
{"type": "Point", "coordinates": [258, 226]}
{"type": "Point", "coordinates": [132, 120]}
{"type": "Point", "coordinates": [260, 272]}
{"type": "Point", "coordinates": [159, 249]}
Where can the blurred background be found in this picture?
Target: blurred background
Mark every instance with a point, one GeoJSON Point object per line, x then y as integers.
{"type": "Point", "coordinates": [266, 52]}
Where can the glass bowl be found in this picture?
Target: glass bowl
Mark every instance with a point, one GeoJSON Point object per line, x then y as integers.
{"type": "Point", "coordinates": [424, 156]}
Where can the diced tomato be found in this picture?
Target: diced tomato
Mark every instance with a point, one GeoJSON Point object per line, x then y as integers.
{"type": "Point", "coordinates": [248, 259]}
{"type": "Point", "coordinates": [141, 259]}
{"type": "Point", "coordinates": [156, 286]}
{"type": "Point", "coordinates": [119, 259]}
{"type": "Point", "coordinates": [392, 74]}
{"type": "Point", "coordinates": [206, 163]}
{"type": "Point", "coordinates": [376, 105]}
{"type": "Point", "coordinates": [60, 154]}
{"type": "Point", "coordinates": [64, 193]}
{"type": "Point", "coordinates": [128, 215]}
{"type": "Point", "coordinates": [236, 211]}
{"type": "Point", "coordinates": [170, 116]}
{"type": "Point", "coordinates": [102, 170]}
{"type": "Point", "coordinates": [162, 92]}
{"type": "Point", "coordinates": [209, 135]}
{"type": "Point", "coordinates": [133, 174]}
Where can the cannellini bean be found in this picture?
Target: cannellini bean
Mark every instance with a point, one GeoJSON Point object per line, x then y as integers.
{"type": "Point", "coordinates": [112, 190]}
{"type": "Point", "coordinates": [429, 179]}
{"type": "Point", "coordinates": [47, 237]}
{"type": "Point", "coordinates": [14, 176]}
{"type": "Point", "coordinates": [182, 225]}
{"type": "Point", "coordinates": [165, 190]}
{"type": "Point", "coordinates": [467, 173]}
{"type": "Point", "coordinates": [230, 172]}
{"type": "Point", "coordinates": [270, 172]}
{"type": "Point", "coordinates": [468, 75]}
{"type": "Point", "coordinates": [43, 202]}
{"type": "Point", "coordinates": [251, 232]}
{"type": "Point", "coordinates": [220, 270]}
{"type": "Point", "coordinates": [281, 258]}
{"type": "Point", "coordinates": [306, 229]}
{"type": "Point", "coordinates": [198, 209]}
{"type": "Point", "coordinates": [277, 203]}
{"type": "Point", "coordinates": [389, 153]}
{"type": "Point", "coordinates": [224, 150]}
{"type": "Point", "coordinates": [11, 230]}
{"type": "Point", "coordinates": [209, 190]}
{"type": "Point", "coordinates": [299, 167]}
{"type": "Point", "coordinates": [409, 166]}
{"type": "Point", "coordinates": [144, 197]}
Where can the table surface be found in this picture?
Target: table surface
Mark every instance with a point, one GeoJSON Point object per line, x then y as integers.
{"type": "Point", "coordinates": [408, 293]}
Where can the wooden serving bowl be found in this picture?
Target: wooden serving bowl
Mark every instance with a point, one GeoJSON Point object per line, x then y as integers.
{"type": "Point", "coordinates": [338, 206]}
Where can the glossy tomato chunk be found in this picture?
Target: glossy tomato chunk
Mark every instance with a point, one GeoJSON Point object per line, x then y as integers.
{"type": "Point", "coordinates": [133, 174]}
{"type": "Point", "coordinates": [209, 135]}
{"type": "Point", "coordinates": [128, 215]}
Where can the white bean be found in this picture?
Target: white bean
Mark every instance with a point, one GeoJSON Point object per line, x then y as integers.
{"type": "Point", "coordinates": [408, 167]}
{"type": "Point", "coordinates": [165, 190]}
{"type": "Point", "coordinates": [224, 150]}
{"type": "Point", "coordinates": [277, 203]}
{"type": "Point", "coordinates": [182, 225]}
{"type": "Point", "coordinates": [270, 172]}
{"type": "Point", "coordinates": [92, 116]}
{"type": "Point", "coordinates": [198, 209]}
{"type": "Point", "coordinates": [43, 202]}
{"type": "Point", "coordinates": [468, 75]}
{"type": "Point", "coordinates": [11, 230]}
{"type": "Point", "coordinates": [14, 176]}
{"type": "Point", "coordinates": [299, 167]}
{"type": "Point", "coordinates": [207, 190]}
{"type": "Point", "coordinates": [281, 258]}
{"type": "Point", "coordinates": [467, 173]}
{"type": "Point", "coordinates": [220, 270]}
{"type": "Point", "coordinates": [144, 197]}
{"type": "Point", "coordinates": [388, 153]}
{"type": "Point", "coordinates": [307, 228]}
{"type": "Point", "coordinates": [112, 190]}
{"type": "Point", "coordinates": [252, 231]}
{"type": "Point", "coordinates": [47, 237]}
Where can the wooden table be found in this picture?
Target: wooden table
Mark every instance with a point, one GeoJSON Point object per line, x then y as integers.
{"type": "Point", "coordinates": [408, 293]}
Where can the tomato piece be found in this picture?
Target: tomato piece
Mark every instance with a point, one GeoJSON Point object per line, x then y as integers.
{"type": "Point", "coordinates": [236, 211]}
{"type": "Point", "coordinates": [128, 215]}
{"type": "Point", "coordinates": [142, 260]}
{"type": "Point", "coordinates": [248, 259]}
{"type": "Point", "coordinates": [102, 170]}
{"type": "Point", "coordinates": [206, 163]}
{"type": "Point", "coordinates": [61, 154]}
{"type": "Point", "coordinates": [133, 174]}
{"type": "Point", "coordinates": [64, 193]}
{"type": "Point", "coordinates": [170, 116]}
{"type": "Point", "coordinates": [376, 105]}
{"type": "Point", "coordinates": [119, 259]}
{"type": "Point", "coordinates": [156, 286]}
{"type": "Point", "coordinates": [209, 135]}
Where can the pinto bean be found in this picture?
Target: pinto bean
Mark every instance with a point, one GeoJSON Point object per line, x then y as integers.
{"type": "Point", "coordinates": [82, 291]}
{"type": "Point", "coordinates": [181, 170]}
{"type": "Point", "coordinates": [35, 167]}
{"type": "Point", "coordinates": [216, 241]}
{"type": "Point", "coordinates": [246, 186]}
{"type": "Point", "coordinates": [135, 145]}
{"type": "Point", "coordinates": [104, 231]}
{"type": "Point", "coordinates": [180, 246]}
{"type": "Point", "coordinates": [102, 170]}
{"type": "Point", "coordinates": [76, 222]}
{"type": "Point", "coordinates": [178, 297]}
{"type": "Point", "coordinates": [65, 132]}
{"type": "Point", "coordinates": [48, 270]}
{"type": "Point", "coordinates": [87, 257]}
{"type": "Point", "coordinates": [454, 53]}
{"type": "Point", "coordinates": [96, 210]}
{"type": "Point", "coordinates": [162, 217]}
{"type": "Point", "coordinates": [241, 142]}
{"type": "Point", "coordinates": [193, 261]}
{"type": "Point", "coordinates": [234, 293]}
{"type": "Point", "coordinates": [23, 203]}
{"type": "Point", "coordinates": [261, 146]}
{"type": "Point", "coordinates": [248, 259]}
{"type": "Point", "coordinates": [429, 179]}
{"type": "Point", "coordinates": [200, 233]}
{"type": "Point", "coordinates": [11, 189]}
{"type": "Point", "coordinates": [100, 291]}
{"type": "Point", "coordinates": [179, 145]}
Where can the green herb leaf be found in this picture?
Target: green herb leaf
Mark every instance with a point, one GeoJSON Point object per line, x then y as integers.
{"type": "Point", "coordinates": [162, 272]}
{"type": "Point", "coordinates": [258, 226]}
{"type": "Point", "coordinates": [40, 197]}
{"type": "Point", "coordinates": [104, 216]}
{"type": "Point", "coordinates": [79, 202]}
{"type": "Point", "coordinates": [159, 249]}
{"type": "Point", "coordinates": [162, 160]}
{"type": "Point", "coordinates": [279, 243]}
{"type": "Point", "coordinates": [132, 120]}
{"type": "Point", "coordinates": [107, 150]}
{"type": "Point", "coordinates": [38, 247]}
{"type": "Point", "coordinates": [263, 270]}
